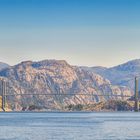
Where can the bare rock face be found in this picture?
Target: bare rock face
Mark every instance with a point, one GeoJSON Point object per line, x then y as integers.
{"type": "Point", "coordinates": [59, 83]}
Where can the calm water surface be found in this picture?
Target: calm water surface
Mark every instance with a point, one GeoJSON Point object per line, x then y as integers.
{"type": "Point", "coordinates": [69, 126]}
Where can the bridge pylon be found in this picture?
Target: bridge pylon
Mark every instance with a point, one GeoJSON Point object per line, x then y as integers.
{"type": "Point", "coordinates": [3, 93]}
{"type": "Point", "coordinates": [136, 95]}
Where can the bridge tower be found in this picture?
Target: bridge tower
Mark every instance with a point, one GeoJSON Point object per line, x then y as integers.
{"type": "Point", "coordinates": [3, 92]}
{"type": "Point", "coordinates": [136, 95]}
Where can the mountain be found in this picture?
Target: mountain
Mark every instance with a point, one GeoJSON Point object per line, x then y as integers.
{"type": "Point", "coordinates": [3, 65]}
{"type": "Point", "coordinates": [122, 75]}
{"type": "Point", "coordinates": [59, 78]}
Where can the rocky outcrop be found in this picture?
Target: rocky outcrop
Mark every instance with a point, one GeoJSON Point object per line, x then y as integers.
{"type": "Point", "coordinates": [59, 83]}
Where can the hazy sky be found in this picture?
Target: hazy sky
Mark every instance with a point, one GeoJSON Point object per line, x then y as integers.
{"type": "Point", "coordinates": [83, 32]}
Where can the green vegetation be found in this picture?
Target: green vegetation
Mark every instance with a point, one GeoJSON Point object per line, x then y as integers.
{"type": "Point", "coordinates": [118, 105]}
{"type": "Point", "coordinates": [110, 105]}
{"type": "Point", "coordinates": [77, 107]}
{"type": "Point", "coordinates": [31, 108]}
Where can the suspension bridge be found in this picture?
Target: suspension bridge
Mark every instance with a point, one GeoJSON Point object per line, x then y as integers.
{"type": "Point", "coordinates": [5, 94]}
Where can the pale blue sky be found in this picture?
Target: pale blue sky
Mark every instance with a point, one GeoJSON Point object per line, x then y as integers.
{"type": "Point", "coordinates": [82, 32]}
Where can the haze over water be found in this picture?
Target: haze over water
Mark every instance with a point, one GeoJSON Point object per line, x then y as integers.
{"type": "Point", "coordinates": [69, 126]}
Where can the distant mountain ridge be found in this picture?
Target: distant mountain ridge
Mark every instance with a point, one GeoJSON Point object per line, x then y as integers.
{"type": "Point", "coordinates": [60, 78]}
{"type": "Point", "coordinates": [3, 65]}
{"type": "Point", "coordinates": [123, 74]}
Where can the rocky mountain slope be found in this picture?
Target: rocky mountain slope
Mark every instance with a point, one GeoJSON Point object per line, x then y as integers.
{"type": "Point", "coordinates": [59, 78]}
{"type": "Point", "coordinates": [123, 74]}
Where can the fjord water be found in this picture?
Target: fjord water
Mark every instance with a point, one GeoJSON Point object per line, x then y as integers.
{"type": "Point", "coordinates": [69, 126]}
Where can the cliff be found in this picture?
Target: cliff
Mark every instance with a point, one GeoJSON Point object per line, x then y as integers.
{"type": "Point", "coordinates": [59, 78]}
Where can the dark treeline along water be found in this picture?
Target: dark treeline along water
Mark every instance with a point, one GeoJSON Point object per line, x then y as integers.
{"type": "Point", "coordinates": [70, 126]}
